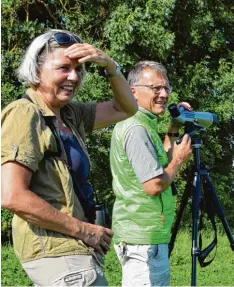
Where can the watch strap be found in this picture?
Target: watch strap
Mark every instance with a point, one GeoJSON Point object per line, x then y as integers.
{"type": "Point", "coordinates": [173, 134]}
{"type": "Point", "coordinates": [115, 73]}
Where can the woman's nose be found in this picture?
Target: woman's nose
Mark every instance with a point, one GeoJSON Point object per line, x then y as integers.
{"type": "Point", "coordinates": [73, 76]}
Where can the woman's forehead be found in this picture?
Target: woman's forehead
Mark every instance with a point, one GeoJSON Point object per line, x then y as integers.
{"type": "Point", "coordinates": [57, 57]}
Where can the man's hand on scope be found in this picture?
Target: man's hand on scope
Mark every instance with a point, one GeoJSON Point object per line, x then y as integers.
{"type": "Point", "coordinates": [183, 151]}
{"type": "Point", "coordinates": [185, 105]}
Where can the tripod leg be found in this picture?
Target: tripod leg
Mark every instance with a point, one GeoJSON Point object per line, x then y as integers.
{"type": "Point", "coordinates": [195, 216]}
{"type": "Point", "coordinates": [219, 210]}
{"type": "Point", "coordinates": [179, 214]}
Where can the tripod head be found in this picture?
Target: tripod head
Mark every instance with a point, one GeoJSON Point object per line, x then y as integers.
{"type": "Point", "coordinates": [194, 131]}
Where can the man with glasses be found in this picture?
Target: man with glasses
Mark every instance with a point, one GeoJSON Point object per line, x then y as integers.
{"type": "Point", "coordinates": [143, 169]}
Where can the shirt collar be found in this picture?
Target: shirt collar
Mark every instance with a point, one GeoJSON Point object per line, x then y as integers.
{"type": "Point", "coordinates": [148, 113]}
{"type": "Point", "coordinates": [39, 102]}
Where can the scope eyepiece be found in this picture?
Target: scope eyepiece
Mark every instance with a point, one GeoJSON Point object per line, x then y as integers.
{"type": "Point", "coordinates": [174, 110]}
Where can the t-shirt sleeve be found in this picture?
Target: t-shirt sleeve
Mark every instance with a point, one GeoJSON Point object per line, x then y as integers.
{"type": "Point", "coordinates": [21, 135]}
{"type": "Point", "coordinates": [86, 113]}
{"type": "Point", "coordinates": [142, 154]}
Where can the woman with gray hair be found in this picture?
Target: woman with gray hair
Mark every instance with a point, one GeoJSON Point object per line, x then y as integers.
{"type": "Point", "coordinates": [45, 164]}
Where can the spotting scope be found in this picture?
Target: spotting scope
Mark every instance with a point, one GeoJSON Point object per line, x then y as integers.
{"type": "Point", "coordinates": [182, 117]}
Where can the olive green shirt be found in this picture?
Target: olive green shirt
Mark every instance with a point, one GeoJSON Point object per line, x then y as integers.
{"type": "Point", "coordinates": [25, 139]}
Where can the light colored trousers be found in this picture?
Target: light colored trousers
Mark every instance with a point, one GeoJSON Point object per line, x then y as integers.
{"type": "Point", "coordinates": [75, 270]}
{"type": "Point", "coordinates": [144, 265]}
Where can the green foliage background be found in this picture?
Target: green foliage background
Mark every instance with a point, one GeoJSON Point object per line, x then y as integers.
{"type": "Point", "coordinates": [193, 38]}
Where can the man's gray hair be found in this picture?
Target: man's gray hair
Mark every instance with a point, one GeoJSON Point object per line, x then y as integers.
{"type": "Point", "coordinates": [29, 70]}
{"type": "Point", "coordinates": [135, 74]}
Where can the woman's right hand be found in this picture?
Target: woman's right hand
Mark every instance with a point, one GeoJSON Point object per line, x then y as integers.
{"type": "Point", "coordinates": [96, 236]}
{"type": "Point", "coordinates": [88, 53]}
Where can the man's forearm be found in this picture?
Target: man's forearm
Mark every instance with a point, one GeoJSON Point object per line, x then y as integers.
{"type": "Point", "coordinates": [159, 184]}
{"type": "Point", "coordinates": [170, 140]}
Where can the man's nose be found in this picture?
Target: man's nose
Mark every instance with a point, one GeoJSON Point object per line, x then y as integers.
{"type": "Point", "coordinates": [164, 92]}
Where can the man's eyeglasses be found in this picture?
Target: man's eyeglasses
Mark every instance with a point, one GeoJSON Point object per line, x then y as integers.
{"type": "Point", "coordinates": [65, 39]}
{"type": "Point", "coordinates": [156, 89]}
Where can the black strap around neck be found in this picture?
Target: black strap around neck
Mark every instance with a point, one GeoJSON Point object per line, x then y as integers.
{"type": "Point", "coordinates": [50, 124]}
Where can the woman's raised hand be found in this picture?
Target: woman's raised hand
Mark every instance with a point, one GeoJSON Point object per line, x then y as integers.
{"type": "Point", "coordinates": [88, 53]}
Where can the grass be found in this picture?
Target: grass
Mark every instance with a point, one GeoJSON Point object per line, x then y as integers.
{"type": "Point", "coordinates": [219, 273]}
{"type": "Point", "coordinates": [12, 274]}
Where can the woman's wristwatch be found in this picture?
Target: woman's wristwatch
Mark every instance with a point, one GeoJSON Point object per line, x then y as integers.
{"type": "Point", "coordinates": [115, 73]}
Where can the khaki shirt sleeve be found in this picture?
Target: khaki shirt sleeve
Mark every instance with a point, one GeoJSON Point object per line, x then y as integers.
{"type": "Point", "coordinates": [22, 138]}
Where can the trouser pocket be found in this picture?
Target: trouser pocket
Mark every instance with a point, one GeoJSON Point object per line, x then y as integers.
{"type": "Point", "coordinates": [121, 252]}
{"type": "Point", "coordinates": [77, 278]}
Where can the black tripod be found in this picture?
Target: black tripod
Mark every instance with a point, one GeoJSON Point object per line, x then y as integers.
{"type": "Point", "coordinates": [200, 178]}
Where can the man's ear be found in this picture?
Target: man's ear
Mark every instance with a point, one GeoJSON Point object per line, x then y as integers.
{"type": "Point", "coordinates": [134, 93]}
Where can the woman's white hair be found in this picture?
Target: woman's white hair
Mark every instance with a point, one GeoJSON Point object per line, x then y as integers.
{"type": "Point", "coordinates": [29, 70]}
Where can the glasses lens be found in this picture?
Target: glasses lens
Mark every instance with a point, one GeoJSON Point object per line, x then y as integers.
{"type": "Point", "coordinates": [158, 89]}
{"type": "Point", "coordinates": [66, 39]}
{"type": "Point", "coordinates": [62, 38]}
